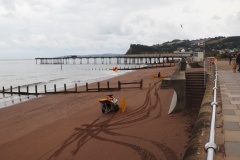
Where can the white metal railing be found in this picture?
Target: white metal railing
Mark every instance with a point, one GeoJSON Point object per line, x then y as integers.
{"type": "Point", "coordinates": [211, 146]}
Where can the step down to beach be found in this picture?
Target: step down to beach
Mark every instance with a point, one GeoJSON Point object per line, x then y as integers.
{"type": "Point", "coordinates": [165, 83]}
{"type": "Point", "coordinates": [195, 87]}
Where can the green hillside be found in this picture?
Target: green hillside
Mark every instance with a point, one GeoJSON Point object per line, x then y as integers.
{"type": "Point", "coordinates": [212, 45]}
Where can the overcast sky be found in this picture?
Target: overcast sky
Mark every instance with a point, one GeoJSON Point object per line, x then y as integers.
{"type": "Point", "coordinates": [50, 28]}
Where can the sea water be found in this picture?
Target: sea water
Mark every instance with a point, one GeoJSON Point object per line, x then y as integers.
{"type": "Point", "coordinates": [29, 73]}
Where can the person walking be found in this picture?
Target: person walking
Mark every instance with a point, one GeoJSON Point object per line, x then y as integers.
{"type": "Point", "coordinates": [230, 58]}
{"type": "Point", "coordinates": [238, 61]}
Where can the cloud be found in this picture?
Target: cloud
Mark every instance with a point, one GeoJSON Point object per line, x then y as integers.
{"type": "Point", "coordinates": [3, 44]}
{"type": "Point", "coordinates": [216, 17]}
{"type": "Point", "coordinates": [109, 26]}
{"type": "Point", "coordinates": [33, 40]}
{"type": "Point", "coordinates": [190, 9]}
{"type": "Point", "coordinates": [8, 4]}
{"type": "Point", "coordinates": [238, 17]}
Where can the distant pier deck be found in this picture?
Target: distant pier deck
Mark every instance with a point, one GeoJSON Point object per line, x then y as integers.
{"type": "Point", "coordinates": [104, 59]}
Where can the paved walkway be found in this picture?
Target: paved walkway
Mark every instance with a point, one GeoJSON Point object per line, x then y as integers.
{"type": "Point", "coordinates": [230, 94]}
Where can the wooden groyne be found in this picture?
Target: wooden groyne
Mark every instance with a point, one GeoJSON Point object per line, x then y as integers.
{"type": "Point", "coordinates": [37, 92]}
{"type": "Point", "coordinates": [99, 88]}
{"type": "Point", "coordinates": [171, 64]}
{"type": "Point", "coordinates": [120, 85]}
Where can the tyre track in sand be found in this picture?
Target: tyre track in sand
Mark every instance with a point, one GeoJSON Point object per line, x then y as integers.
{"type": "Point", "coordinates": [148, 111]}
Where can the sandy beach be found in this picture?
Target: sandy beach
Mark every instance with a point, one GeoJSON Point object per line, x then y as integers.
{"type": "Point", "coordinates": [72, 126]}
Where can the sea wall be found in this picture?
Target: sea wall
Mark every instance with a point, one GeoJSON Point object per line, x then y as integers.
{"type": "Point", "coordinates": [178, 83]}
{"type": "Point", "coordinates": [201, 130]}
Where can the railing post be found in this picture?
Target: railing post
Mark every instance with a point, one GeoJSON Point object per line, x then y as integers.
{"type": "Point", "coordinates": [28, 92]}
{"type": "Point", "coordinates": [119, 85]}
{"type": "Point", "coordinates": [65, 88]}
{"type": "Point", "coordinates": [19, 90]}
{"type": "Point", "coordinates": [108, 85]}
{"type": "Point", "coordinates": [98, 86]}
{"type": "Point", "coordinates": [87, 87]}
{"type": "Point", "coordinates": [55, 88]}
{"type": "Point", "coordinates": [3, 91]}
{"type": "Point", "coordinates": [45, 88]}
{"type": "Point", "coordinates": [11, 90]}
{"type": "Point", "coordinates": [76, 87]}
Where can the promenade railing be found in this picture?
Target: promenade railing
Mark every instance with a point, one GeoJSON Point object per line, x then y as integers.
{"type": "Point", "coordinates": [211, 146]}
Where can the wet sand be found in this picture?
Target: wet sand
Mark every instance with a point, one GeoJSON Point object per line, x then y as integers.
{"type": "Point", "coordinates": [72, 126]}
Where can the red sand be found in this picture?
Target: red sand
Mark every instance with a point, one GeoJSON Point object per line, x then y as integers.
{"type": "Point", "coordinates": [72, 126]}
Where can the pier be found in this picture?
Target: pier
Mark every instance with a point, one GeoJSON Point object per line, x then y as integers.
{"type": "Point", "coordinates": [120, 59]}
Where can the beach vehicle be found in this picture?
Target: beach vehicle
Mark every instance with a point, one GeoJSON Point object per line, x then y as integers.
{"type": "Point", "coordinates": [109, 104]}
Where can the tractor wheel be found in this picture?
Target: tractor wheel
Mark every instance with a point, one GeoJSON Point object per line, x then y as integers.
{"type": "Point", "coordinates": [104, 109]}
{"type": "Point", "coordinates": [116, 107]}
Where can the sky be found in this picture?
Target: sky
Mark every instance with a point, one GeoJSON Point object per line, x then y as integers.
{"type": "Point", "coordinates": [52, 28]}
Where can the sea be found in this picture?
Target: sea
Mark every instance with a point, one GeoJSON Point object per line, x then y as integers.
{"type": "Point", "coordinates": [29, 72]}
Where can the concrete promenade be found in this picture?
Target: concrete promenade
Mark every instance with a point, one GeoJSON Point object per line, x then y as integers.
{"type": "Point", "coordinates": [229, 82]}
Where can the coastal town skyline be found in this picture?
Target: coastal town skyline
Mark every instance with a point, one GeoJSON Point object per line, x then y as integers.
{"type": "Point", "coordinates": [30, 29]}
